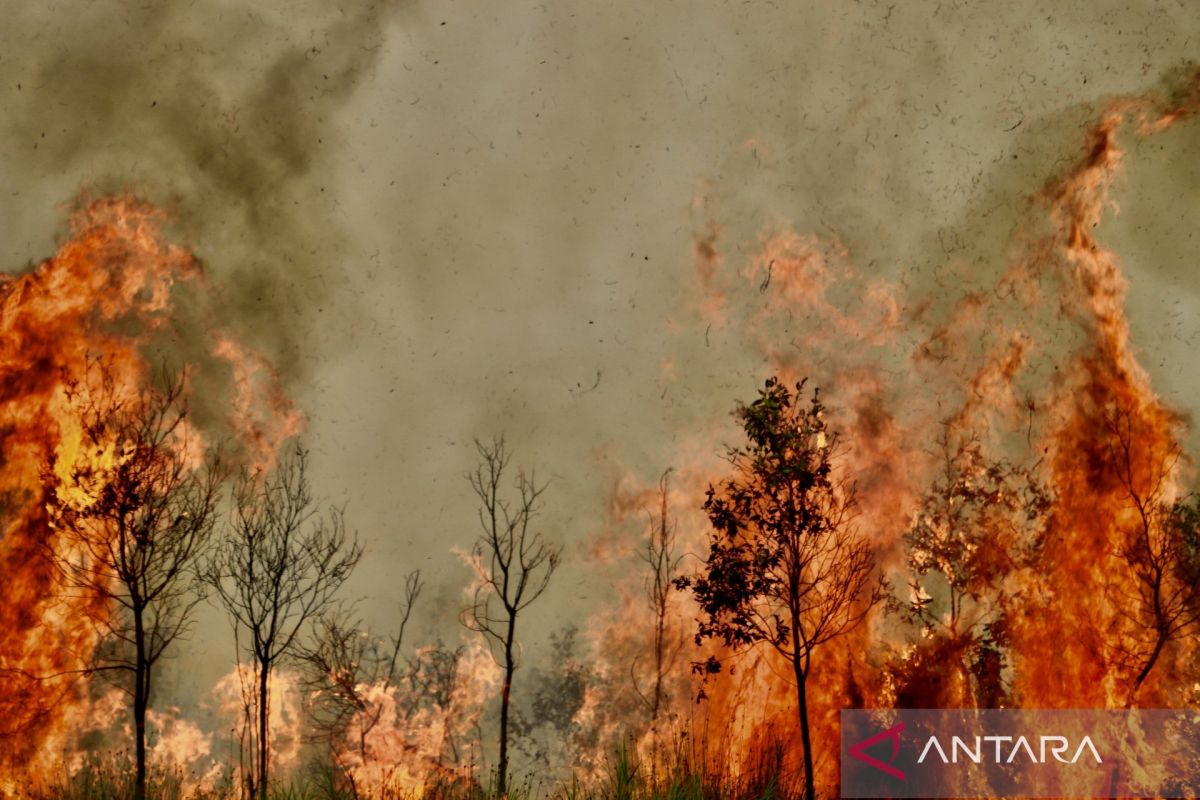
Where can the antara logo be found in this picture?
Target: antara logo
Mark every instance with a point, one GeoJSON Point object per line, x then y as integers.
{"type": "Point", "coordinates": [1058, 746]}
{"type": "Point", "coordinates": [858, 750]}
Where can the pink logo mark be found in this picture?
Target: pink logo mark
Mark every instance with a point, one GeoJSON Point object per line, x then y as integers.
{"type": "Point", "coordinates": [893, 733]}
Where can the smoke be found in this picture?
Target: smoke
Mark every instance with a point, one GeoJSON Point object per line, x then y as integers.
{"type": "Point", "coordinates": [861, 177]}
{"type": "Point", "coordinates": [1039, 368]}
{"type": "Point", "coordinates": [225, 116]}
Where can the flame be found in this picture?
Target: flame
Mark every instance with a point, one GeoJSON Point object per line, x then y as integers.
{"type": "Point", "coordinates": [402, 743]}
{"type": "Point", "coordinates": [1071, 639]}
{"type": "Point", "coordinates": [262, 415]}
{"type": "Point", "coordinates": [1104, 385]}
{"type": "Point", "coordinates": [1107, 448]}
{"type": "Point", "coordinates": [97, 306]}
{"type": "Point", "coordinates": [114, 269]}
{"type": "Point", "coordinates": [237, 690]}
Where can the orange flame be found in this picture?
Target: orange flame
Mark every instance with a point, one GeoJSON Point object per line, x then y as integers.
{"type": "Point", "coordinates": [106, 294]}
{"type": "Point", "coordinates": [1072, 641]}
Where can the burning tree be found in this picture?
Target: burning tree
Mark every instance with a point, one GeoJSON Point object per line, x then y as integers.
{"type": "Point", "coordinates": [514, 566]}
{"type": "Point", "coordinates": [134, 505]}
{"type": "Point", "coordinates": [350, 678]}
{"type": "Point", "coordinates": [663, 561]}
{"type": "Point", "coordinates": [278, 568]}
{"type": "Point", "coordinates": [979, 525]}
{"type": "Point", "coordinates": [433, 688]}
{"type": "Point", "coordinates": [1159, 544]}
{"type": "Point", "coordinates": [785, 565]}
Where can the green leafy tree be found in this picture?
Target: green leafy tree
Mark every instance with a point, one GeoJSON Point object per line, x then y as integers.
{"type": "Point", "coordinates": [786, 565]}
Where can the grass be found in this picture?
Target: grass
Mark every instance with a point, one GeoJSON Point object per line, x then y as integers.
{"type": "Point", "coordinates": [112, 777]}
{"type": "Point", "coordinates": [682, 777]}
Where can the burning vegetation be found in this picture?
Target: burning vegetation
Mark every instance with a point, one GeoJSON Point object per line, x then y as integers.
{"type": "Point", "coordinates": [1033, 541]}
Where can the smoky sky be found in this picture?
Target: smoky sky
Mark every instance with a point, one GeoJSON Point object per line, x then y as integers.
{"type": "Point", "coordinates": [213, 112]}
{"type": "Point", "coordinates": [446, 220]}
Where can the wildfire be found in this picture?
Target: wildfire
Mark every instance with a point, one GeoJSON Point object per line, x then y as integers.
{"type": "Point", "coordinates": [105, 297]}
{"type": "Point", "coordinates": [407, 744]}
{"type": "Point", "coordinates": [235, 692]}
{"type": "Point", "coordinates": [1103, 445]}
{"type": "Point", "coordinates": [1081, 602]}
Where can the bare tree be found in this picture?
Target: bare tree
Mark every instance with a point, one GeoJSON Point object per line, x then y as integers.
{"type": "Point", "coordinates": [663, 561]}
{"type": "Point", "coordinates": [278, 568]}
{"type": "Point", "coordinates": [515, 566]}
{"type": "Point", "coordinates": [343, 664]}
{"type": "Point", "coordinates": [134, 507]}
{"type": "Point", "coordinates": [786, 565]}
{"type": "Point", "coordinates": [1162, 603]}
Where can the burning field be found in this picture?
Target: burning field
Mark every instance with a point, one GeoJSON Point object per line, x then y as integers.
{"type": "Point", "coordinates": [937, 491]}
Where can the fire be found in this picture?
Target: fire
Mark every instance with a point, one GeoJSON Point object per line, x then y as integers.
{"type": "Point", "coordinates": [104, 297]}
{"type": "Point", "coordinates": [115, 271]}
{"type": "Point", "coordinates": [406, 742]}
{"type": "Point", "coordinates": [1098, 622]}
{"type": "Point", "coordinates": [236, 692]}
{"type": "Point", "coordinates": [1105, 390]}
{"type": "Point", "coordinates": [1104, 446]}
{"type": "Point", "coordinates": [263, 417]}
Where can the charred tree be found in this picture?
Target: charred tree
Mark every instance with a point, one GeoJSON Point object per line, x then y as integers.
{"type": "Point", "coordinates": [278, 567]}
{"type": "Point", "coordinates": [786, 565]}
{"type": "Point", "coordinates": [514, 565]}
{"type": "Point", "coordinates": [429, 685]}
{"type": "Point", "coordinates": [134, 507]}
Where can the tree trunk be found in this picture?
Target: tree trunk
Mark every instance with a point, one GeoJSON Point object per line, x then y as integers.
{"type": "Point", "coordinates": [141, 691]}
{"type": "Point", "coordinates": [970, 698]}
{"type": "Point", "coordinates": [1146, 669]}
{"type": "Point", "coordinates": [506, 693]}
{"type": "Point", "coordinates": [810, 791]}
{"type": "Point", "coordinates": [264, 669]}
{"type": "Point", "coordinates": [660, 636]}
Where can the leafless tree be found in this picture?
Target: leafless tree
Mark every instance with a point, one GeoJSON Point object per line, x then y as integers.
{"type": "Point", "coordinates": [1160, 547]}
{"type": "Point", "coordinates": [663, 561]}
{"type": "Point", "coordinates": [134, 509]}
{"type": "Point", "coordinates": [515, 566]}
{"type": "Point", "coordinates": [341, 664]}
{"type": "Point", "coordinates": [279, 567]}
